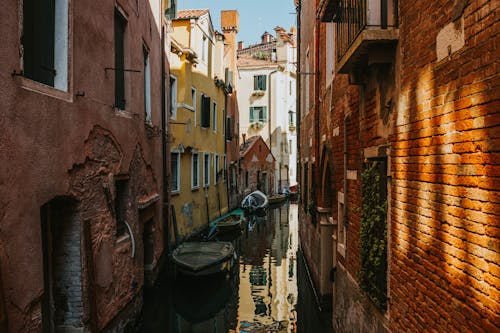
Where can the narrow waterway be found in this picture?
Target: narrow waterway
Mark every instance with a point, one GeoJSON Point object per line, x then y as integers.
{"type": "Point", "coordinates": [268, 291]}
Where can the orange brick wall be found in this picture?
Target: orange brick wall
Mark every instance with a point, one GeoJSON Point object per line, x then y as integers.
{"type": "Point", "coordinates": [445, 262]}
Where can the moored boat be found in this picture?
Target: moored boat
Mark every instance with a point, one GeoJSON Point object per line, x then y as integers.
{"type": "Point", "coordinates": [276, 198]}
{"type": "Point", "coordinates": [203, 258]}
{"type": "Point", "coordinates": [255, 201]}
{"type": "Point", "coordinates": [229, 222]}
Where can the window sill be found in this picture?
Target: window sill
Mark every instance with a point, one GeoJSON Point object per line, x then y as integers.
{"type": "Point", "coordinates": [195, 189]}
{"type": "Point", "coordinates": [175, 193]}
{"type": "Point", "coordinates": [44, 89]}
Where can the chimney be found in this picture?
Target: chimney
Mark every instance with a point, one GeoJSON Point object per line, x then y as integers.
{"type": "Point", "coordinates": [240, 45]}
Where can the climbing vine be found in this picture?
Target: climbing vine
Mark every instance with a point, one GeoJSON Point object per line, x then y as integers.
{"type": "Point", "coordinates": [373, 273]}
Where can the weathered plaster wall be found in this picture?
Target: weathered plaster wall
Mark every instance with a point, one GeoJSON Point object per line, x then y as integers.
{"type": "Point", "coordinates": [73, 146]}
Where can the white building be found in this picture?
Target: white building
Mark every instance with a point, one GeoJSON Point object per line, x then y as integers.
{"type": "Point", "coordinates": [266, 99]}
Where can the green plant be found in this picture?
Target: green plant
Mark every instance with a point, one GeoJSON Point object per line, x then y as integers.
{"type": "Point", "coordinates": [373, 273]}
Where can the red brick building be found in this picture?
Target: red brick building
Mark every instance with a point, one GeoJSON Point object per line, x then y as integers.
{"type": "Point", "coordinates": [399, 136]}
{"type": "Point", "coordinates": [83, 214]}
{"type": "Point", "coordinates": [230, 25]}
{"type": "Point", "coordinates": [256, 167]}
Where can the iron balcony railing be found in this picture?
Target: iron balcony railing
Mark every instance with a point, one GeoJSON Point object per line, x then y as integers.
{"type": "Point", "coordinates": [354, 16]}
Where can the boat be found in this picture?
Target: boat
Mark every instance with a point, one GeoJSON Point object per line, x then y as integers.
{"type": "Point", "coordinates": [203, 258]}
{"type": "Point", "coordinates": [228, 222]}
{"type": "Point", "coordinates": [276, 198]}
{"type": "Point", "coordinates": [255, 201]}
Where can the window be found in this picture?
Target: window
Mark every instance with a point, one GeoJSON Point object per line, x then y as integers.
{"type": "Point", "coordinates": [229, 128]}
{"type": "Point", "coordinates": [259, 82]}
{"type": "Point", "coordinates": [121, 203]}
{"type": "Point", "coordinates": [120, 24]}
{"type": "Point", "coordinates": [258, 114]}
{"type": "Point", "coordinates": [291, 118]}
{"type": "Point", "coordinates": [205, 111]}
{"type": "Point", "coordinates": [206, 169]}
{"type": "Point", "coordinates": [195, 171]}
{"type": "Point", "coordinates": [224, 173]}
{"type": "Point", "coordinates": [214, 116]}
{"type": "Point", "coordinates": [147, 86]}
{"type": "Point", "coordinates": [175, 171]}
{"type": "Point", "coordinates": [341, 237]}
{"type": "Point", "coordinates": [173, 97]}
{"type": "Point", "coordinates": [193, 101]}
{"type": "Point", "coordinates": [204, 49]}
{"type": "Point", "coordinates": [45, 42]}
{"type": "Point", "coordinates": [216, 168]}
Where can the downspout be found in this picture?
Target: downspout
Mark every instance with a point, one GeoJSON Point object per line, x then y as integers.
{"type": "Point", "coordinates": [164, 131]}
{"type": "Point", "coordinates": [298, 93]}
{"type": "Point", "coordinates": [317, 175]}
{"type": "Point", "coordinates": [269, 117]}
{"type": "Point", "coordinates": [344, 211]}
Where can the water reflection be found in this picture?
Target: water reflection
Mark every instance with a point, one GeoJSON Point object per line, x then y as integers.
{"type": "Point", "coordinates": [259, 295]}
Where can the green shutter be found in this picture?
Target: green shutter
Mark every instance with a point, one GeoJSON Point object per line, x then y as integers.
{"type": "Point", "coordinates": [263, 80]}
{"type": "Point", "coordinates": [251, 115]}
{"type": "Point", "coordinates": [264, 114]}
{"type": "Point", "coordinates": [255, 82]}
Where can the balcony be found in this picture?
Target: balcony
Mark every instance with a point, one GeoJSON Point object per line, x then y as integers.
{"type": "Point", "coordinates": [366, 32]}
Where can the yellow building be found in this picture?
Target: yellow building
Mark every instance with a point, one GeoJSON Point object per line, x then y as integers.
{"type": "Point", "coordinates": [197, 121]}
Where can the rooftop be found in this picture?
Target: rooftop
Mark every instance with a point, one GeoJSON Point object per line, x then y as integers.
{"type": "Point", "coordinates": [191, 13]}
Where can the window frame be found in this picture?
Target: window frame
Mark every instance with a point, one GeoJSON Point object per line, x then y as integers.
{"type": "Point", "coordinates": [205, 102]}
{"type": "Point", "coordinates": [147, 85]}
{"type": "Point", "coordinates": [178, 178]}
{"type": "Point", "coordinates": [216, 167]}
{"type": "Point", "coordinates": [195, 186]}
{"type": "Point", "coordinates": [61, 87]}
{"type": "Point", "coordinates": [252, 119]}
{"type": "Point", "coordinates": [260, 82]}
{"type": "Point", "coordinates": [206, 170]}
{"type": "Point", "coordinates": [214, 116]}
{"type": "Point", "coordinates": [173, 96]}
{"type": "Point", "coordinates": [194, 102]}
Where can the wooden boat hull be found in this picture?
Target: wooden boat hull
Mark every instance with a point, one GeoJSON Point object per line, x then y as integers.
{"type": "Point", "coordinates": [203, 258]}
{"type": "Point", "coordinates": [229, 222]}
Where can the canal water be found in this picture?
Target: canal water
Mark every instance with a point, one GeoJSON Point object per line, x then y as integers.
{"type": "Point", "coordinates": [268, 290]}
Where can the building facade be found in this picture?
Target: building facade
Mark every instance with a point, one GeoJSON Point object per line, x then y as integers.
{"type": "Point", "coordinates": [198, 118]}
{"type": "Point", "coordinates": [83, 176]}
{"type": "Point", "coordinates": [257, 166]}
{"type": "Point", "coordinates": [398, 122]}
{"type": "Point", "coordinates": [267, 90]}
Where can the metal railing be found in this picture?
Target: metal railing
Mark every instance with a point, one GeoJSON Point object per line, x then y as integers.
{"type": "Point", "coordinates": [354, 16]}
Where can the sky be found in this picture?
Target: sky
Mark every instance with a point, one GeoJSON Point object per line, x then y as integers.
{"type": "Point", "coordinates": [256, 16]}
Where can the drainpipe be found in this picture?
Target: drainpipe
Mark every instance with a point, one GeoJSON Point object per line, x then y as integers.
{"type": "Point", "coordinates": [344, 212]}
{"type": "Point", "coordinates": [164, 132]}
{"type": "Point", "coordinates": [269, 116]}
{"type": "Point", "coordinates": [298, 93]}
{"type": "Point", "coordinates": [317, 175]}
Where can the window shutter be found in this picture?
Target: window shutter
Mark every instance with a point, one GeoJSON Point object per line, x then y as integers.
{"type": "Point", "coordinates": [263, 85]}
{"type": "Point", "coordinates": [251, 114]}
{"type": "Point", "coordinates": [119, 60]}
{"type": "Point", "coordinates": [264, 114]}
{"type": "Point", "coordinates": [38, 40]}
{"type": "Point", "coordinates": [205, 112]}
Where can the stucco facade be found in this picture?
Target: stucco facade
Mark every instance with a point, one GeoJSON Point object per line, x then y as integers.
{"type": "Point", "coordinates": [268, 110]}
{"type": "Point", "coordinates": [81, 177]}
{"type": "Point", "coordinates": [197, 122]}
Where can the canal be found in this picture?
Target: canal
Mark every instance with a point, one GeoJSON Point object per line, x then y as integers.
{"type": "Point", "coordinates": [268, 291]}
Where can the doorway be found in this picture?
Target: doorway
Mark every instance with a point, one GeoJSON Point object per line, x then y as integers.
{"type": "Point", "coordinates": [62, 308]}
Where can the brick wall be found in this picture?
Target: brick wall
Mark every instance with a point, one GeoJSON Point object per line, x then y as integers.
{"type": "Point", "coordinates": [67, 269]}
{"type": "Point", "coordinates": [444, 269]}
